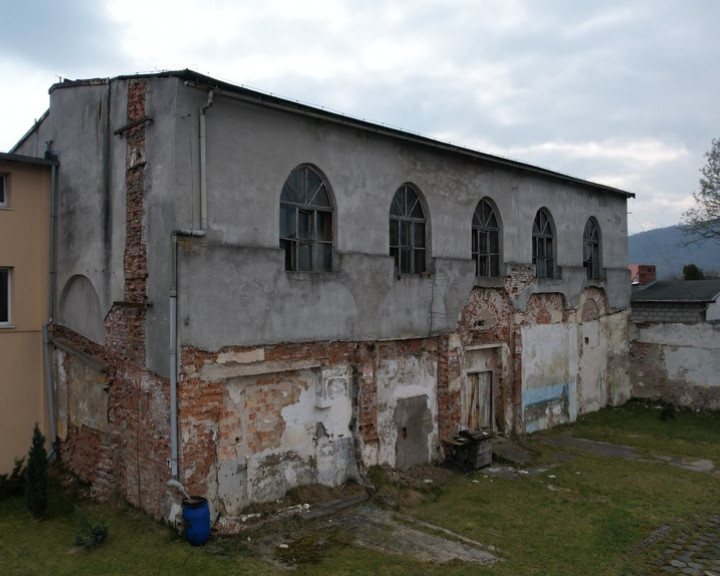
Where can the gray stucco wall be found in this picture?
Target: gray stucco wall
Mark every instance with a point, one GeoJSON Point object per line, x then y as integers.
{"type": "Point", "coordinates": [677, 362]}
{"type": "Point", "coordinates": [91, 192]}
{"type": "Point", "coordinates": [233, 289]}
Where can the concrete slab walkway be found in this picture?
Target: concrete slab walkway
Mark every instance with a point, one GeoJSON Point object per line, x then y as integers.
{"type": "Point", "coordinates": [626, 452]}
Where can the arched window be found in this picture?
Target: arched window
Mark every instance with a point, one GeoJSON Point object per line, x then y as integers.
{"type": "Point", "coordinates": [485, 240]}
{"type": "Point", "coordinates": [591, 248]}
{"type": "Point", "coordinates": [542, 245]}
{"type": "Point", "coordinates": [407, 232]}
{"type": "Point", "coordinates": [306, 222]}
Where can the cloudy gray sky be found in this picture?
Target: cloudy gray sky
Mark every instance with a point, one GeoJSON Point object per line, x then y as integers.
{"type": "Point", "coordinates": [622, 92]}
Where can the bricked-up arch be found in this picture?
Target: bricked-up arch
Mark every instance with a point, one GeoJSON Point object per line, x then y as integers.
{"type": "Point", "coordinates": [80, 310]}
{"type": "Point", "coordinates": [592, 304]}
{"type": "Point", "coordinates": [545, 309]}
{"type": "Point", "coordinates": [487, 316]}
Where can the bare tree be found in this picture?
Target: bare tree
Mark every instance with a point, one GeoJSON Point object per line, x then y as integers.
{"type": "Point", "coordinates": [702, 221]}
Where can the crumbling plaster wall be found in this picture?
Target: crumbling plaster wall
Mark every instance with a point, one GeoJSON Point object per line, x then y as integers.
{"type": "Point", "coordinates": [556, 360]}
{"type": "Point", "coordinates": [257, 422]}
{"type": "Point", "coordinates": [677, 363]}
{"type": "Point", "coordinates": [407, 410]}
{"type": "Point", "coordinates": [281, 430]}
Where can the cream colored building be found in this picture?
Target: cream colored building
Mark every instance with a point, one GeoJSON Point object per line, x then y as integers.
{"type": "Point", "coordinates": [25, 195]}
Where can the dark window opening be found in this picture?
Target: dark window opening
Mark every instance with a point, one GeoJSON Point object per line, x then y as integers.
{"type": "Point", "coordinates": [591, 249]}
{"type": "Point", "coordinates": [4, 296]}
{"type": "Point", "coordinates": [306, 222]}
{"type": "Point", "coordinates": [485, 240]}
{"type": "Point", "coordinates": [542, 245]}
{"type": "Point", "coordinates": [407, 232]}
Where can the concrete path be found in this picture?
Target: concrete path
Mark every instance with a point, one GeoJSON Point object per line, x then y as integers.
{"type": "Point", "coordinates": [626, 452]}
{"type": "Point", "coordinates": [408, 537]}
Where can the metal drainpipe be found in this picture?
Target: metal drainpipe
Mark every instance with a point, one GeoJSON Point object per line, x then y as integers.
{"type": "Point", "coordinates": [51, 304]}
{"type": "Point", "coordinates": [189, 232]}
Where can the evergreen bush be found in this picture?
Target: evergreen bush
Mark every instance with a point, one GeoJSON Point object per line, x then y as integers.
{"type": "Point", "coordinates": [88, 535]}
{"type": "Point", "coordinates": [36, 477]}
{"type": "Point", "coordinates": [13, 484]}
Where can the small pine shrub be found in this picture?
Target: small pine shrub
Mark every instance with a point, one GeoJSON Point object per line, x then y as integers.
{"type": "Point", "coordinates": [668, 412]}
{"type": "Point", "coordinates": [36, 477]}
{"type": "Point", "coordinates": [88, 536]}
{"type": "Point", "coordinates": [13, 484]}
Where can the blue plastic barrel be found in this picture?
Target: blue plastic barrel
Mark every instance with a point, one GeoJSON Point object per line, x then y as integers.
{"type": "Point", "coordinates": [196, 520]}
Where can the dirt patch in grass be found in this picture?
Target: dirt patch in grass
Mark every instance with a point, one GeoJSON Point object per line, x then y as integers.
{"type": "Point", "coordinates": [401, 488]}
{"type": "Point", "coordinates": [283, 539]}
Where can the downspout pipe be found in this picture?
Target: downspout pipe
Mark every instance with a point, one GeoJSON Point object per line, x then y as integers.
{"type": "Point", "coordinates": [47, 352]}
{"type": "Point", "coordinates": [189, 233]}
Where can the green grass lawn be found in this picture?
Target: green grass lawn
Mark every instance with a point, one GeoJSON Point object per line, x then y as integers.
{"type": "Point", "coordinates": [585, 515]}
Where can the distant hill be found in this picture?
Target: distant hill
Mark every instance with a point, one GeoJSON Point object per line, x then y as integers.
{"type": "Point", "coordinates": [663, 248]}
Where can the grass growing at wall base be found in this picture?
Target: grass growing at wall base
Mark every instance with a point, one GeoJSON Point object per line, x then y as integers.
{"type": "Point", "coordinates": [587, 514]}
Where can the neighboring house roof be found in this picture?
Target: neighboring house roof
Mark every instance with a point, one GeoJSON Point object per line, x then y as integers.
{"type": "Point", "coordinates": [687, 291]}
{"type": "Point", "coordinates": [26, 159]}
{"type": "Point", "coordinates": [206, 82]}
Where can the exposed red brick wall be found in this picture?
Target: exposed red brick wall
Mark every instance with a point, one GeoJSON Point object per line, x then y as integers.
{"type": "Point", "coordinates": [547, 308]}
{"type": "Point", "coordinates": [202, 407]}
{"type": "Point", "coordinates": [88, 453]}
{"type": "Point", "coordinates": [82, 451]}
{"type": "Point", "coordinates": [131, 457]}
{"type": "Point", "coordinates": [642, 274]}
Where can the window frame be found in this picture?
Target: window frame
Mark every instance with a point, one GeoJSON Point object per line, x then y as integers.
{"type": "Point", "coordinates": [543, 245]}
{"type": "Point", "coordinates": [404, 221]}
{"type": "Point", "coordinates": [5, 297]}
{"type": "Point", "coordinates": [308, 235]}
{"type": "Point", "coordinates": [486, 225]}
{"type": "Point", "coordinates": [4, 193]}
{"type": "Point", "coordinates": [592, 250]}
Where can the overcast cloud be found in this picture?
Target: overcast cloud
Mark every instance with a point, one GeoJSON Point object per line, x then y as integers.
{"type": "Point", "coordinates": [623, 92]}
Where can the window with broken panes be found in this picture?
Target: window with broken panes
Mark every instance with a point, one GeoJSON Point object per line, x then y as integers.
{"type": "Point", "coordinates": [407, 232]}
{"type": "Point", "coordinates": [485, 240]}
{"type": "Point", "coordinates": [591, 249]}
{"type": "Point", "coordinates": [306, 222]}
{"type": "Point", "coordinates": [542, 245]}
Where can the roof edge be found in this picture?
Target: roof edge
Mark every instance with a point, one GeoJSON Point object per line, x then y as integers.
{"type": "Point", "coordinates": [27, 134]}
{"type": "Point", "coordinates": [203, 81]}
{"type": "Point", "coordinates": [20, 158]}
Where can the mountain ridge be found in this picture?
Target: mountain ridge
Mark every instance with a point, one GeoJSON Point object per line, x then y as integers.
{"type": "Point", "coordinates": [664, 247]}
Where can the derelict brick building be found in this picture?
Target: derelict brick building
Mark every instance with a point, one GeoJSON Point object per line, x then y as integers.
{"type": "Point", "coordinates": [254, 294]}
